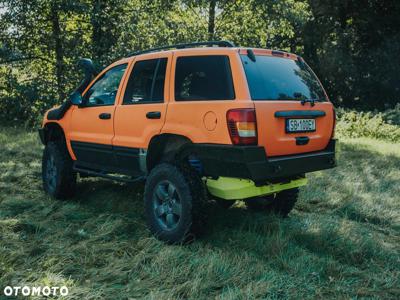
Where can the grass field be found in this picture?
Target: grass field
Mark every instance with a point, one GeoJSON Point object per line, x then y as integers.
{"type": "Point", "coordinates": [341, 241]}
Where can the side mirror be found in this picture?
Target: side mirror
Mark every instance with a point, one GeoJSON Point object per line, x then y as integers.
{"type": "Point", "coordinates": [75, 98]}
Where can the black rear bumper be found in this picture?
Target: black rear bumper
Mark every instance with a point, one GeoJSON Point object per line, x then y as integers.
{"type": "Point", "coordinates": [252, 163]}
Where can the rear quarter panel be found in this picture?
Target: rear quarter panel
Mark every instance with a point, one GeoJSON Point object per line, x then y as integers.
{"type": "Point", "coordinates": [205, 121]}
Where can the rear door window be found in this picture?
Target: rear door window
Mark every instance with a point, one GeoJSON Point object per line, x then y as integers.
{"type": "Point", "coordinates": [200, 78]}
{"type": "Point", "coordinates": [276, 78]}
{"type": "Point", "coordinates": [146, 82]}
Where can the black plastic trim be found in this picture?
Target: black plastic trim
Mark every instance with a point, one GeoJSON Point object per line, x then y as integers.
{"type": "Point", "coordinates": [107, 158]}
{"type": "Point", "coordinates": [302, 140]}
{"type": "Point", "coordinates": [105, 116]}
{"type": "Point", "coordinates": [59, 112]}
{"type": "Point", "coordinates": [299, 114]}
{"type": "Point", "coordinates": [153, 115]}
{"type": "Point", "coordinates": [251, 162]}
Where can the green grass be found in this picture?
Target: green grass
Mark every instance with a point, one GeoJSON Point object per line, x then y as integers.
{"type": "Point", "coordinates": [341, 241]}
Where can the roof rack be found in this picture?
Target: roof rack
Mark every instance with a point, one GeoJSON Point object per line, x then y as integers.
{"type": "Point", "coordinates": [187, 45]}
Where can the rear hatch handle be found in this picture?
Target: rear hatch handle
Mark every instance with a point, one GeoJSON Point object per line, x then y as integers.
{"type": "Point", "coordinates": [299, 114]}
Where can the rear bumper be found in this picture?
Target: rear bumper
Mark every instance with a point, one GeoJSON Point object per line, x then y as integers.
{"type": "Point", "coordinates": [251, 162]}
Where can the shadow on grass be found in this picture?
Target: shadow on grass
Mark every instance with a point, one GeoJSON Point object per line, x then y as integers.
{"type": "Point", "coordinates": [227, 227]}
{"type": "Point", "coordinates": [100, 241]}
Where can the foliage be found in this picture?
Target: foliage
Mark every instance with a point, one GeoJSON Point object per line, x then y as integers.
{"type": "Point", "coordinates": [392, 116]}
{"type": "Point", "coordinates": [351, 45]}
{"type": "Point", "coordinates": [355, 124]}
{"type": "Point", "coordinates": [341, 241]}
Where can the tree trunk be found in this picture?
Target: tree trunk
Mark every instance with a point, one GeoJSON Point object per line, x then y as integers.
{"type": "Point", "coordinates": [97, 32]}
{"type": "Point", "coordinates": [211, 19]}
{"type": "Point", "coordinates": [59, 51]}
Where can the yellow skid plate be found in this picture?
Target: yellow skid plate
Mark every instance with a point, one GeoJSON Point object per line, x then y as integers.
{"type": "Point", "coordinates": [235, 188]}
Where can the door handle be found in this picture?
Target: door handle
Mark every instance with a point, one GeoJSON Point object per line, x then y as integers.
{"type": "Point", "coordinates": [153, 115]}
{"type": "Point", "coordinates": [104, 116]}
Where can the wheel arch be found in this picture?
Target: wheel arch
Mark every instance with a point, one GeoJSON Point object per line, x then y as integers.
{"type": "Point", "coordinates": [164, 148]}
{"type": "Point", "coordinates": [53, 132]}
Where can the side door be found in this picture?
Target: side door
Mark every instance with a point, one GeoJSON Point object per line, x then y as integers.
{"type": "Point", "coordinates": [91, 128]}
{"type": "Point", "coordinates": [141, 113]}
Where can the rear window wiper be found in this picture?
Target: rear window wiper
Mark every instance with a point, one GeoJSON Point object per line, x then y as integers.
{"type": "Point", "coordinates": [303, 99]}
{"type": "Point", "coordinates": [311, 101]}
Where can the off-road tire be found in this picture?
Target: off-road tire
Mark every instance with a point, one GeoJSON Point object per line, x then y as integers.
{"type": "Point", "coordinates": [261, 203]}
{"type": "Point", "coordinates": [284, 201]}
{"type": "Point", "coordinates": [61, 183]}
{"type": "Point", "coordinates": [190, 192]}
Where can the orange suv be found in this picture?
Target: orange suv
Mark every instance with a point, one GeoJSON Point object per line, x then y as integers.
{"type": "Point", "coordinates": [193, 121]}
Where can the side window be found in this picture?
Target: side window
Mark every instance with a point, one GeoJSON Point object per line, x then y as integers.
{"type": "Point", "coordinates": [104, 90]}
{"type": "Point", "coordinates": [146, 82]}
{"type": "Point", "coordinates": [203, 78]}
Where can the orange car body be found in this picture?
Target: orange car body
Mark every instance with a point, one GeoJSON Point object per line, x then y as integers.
{"type": "Point", "coordinates": [200, 122]}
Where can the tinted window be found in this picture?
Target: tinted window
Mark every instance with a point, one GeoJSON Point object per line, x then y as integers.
{"type": "Point", "coordinates": [146, 83]}
{"type": "Point", "coordinates": [203, 78]}
{"type": "Point", "coordinates": [275, 78]}
{"type": "Point", "coordinates": [104, 90]}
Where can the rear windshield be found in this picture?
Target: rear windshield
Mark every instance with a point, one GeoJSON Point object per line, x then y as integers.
{"type": "Point", "coordinates": [276, 78]}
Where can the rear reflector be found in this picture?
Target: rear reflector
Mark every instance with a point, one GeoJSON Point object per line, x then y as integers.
{"type": "Point", "coordinates": [242, 126]}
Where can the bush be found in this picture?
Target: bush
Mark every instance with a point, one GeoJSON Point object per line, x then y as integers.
{"type": "Point", "coordinates": [392, 116]}
{"type": "Point", "coordinates": [355, 124]}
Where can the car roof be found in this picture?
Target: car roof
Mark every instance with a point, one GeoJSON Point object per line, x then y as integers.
{"type": "Point", "coordinates": [212, 51]}
{"type": "Point", "coordinates": [194, 50]}
{"type": "Point", "coordinates": [241, 50]}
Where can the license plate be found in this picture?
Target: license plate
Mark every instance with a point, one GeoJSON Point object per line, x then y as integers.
{"type": "Point", "coordinates": [300, 125]}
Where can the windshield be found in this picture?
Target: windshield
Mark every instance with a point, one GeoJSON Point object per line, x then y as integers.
{"type": "Point", "coordinates": [276, 78]}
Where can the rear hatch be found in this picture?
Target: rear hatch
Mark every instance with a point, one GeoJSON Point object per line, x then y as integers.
{"type": "Point", "coordinates": [292, 109]}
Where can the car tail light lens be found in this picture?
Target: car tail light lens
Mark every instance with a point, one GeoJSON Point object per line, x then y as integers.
{"type": "Point", "coordinates": [242, 126]}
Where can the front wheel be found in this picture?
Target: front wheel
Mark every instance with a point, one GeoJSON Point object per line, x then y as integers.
{"type": "Point", "coordinates": [59, 178]}
{"type": "Point", "coordinates": [174, 200]}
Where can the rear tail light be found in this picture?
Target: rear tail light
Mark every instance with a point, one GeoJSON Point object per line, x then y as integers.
{"type": "Point", "coordinates": [242, 126]}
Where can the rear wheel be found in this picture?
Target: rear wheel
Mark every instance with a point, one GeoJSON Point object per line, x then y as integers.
{"type": "Point", "coordinates": [59, 178]}
{"type": "Point", "coordinates": [174, 201]}
{"type": "Point", "coordinates": [226, 204]}
{"type": "Point", "coordinates": [260, 203]}
{"type": "Point", "coordinates": [284, 201]}
{"type": "Point", "coordinates": [281, 203]}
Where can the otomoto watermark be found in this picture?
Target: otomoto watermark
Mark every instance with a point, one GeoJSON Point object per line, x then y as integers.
{"type": "Point", "coordinates": [27, 291]}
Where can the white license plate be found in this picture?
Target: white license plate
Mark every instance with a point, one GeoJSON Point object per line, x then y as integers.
{"type": "Point", "coordinates": [300, 125]}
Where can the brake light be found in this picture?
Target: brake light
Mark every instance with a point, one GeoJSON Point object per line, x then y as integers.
{"type": "Point", "coordinates": [242, 126]}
